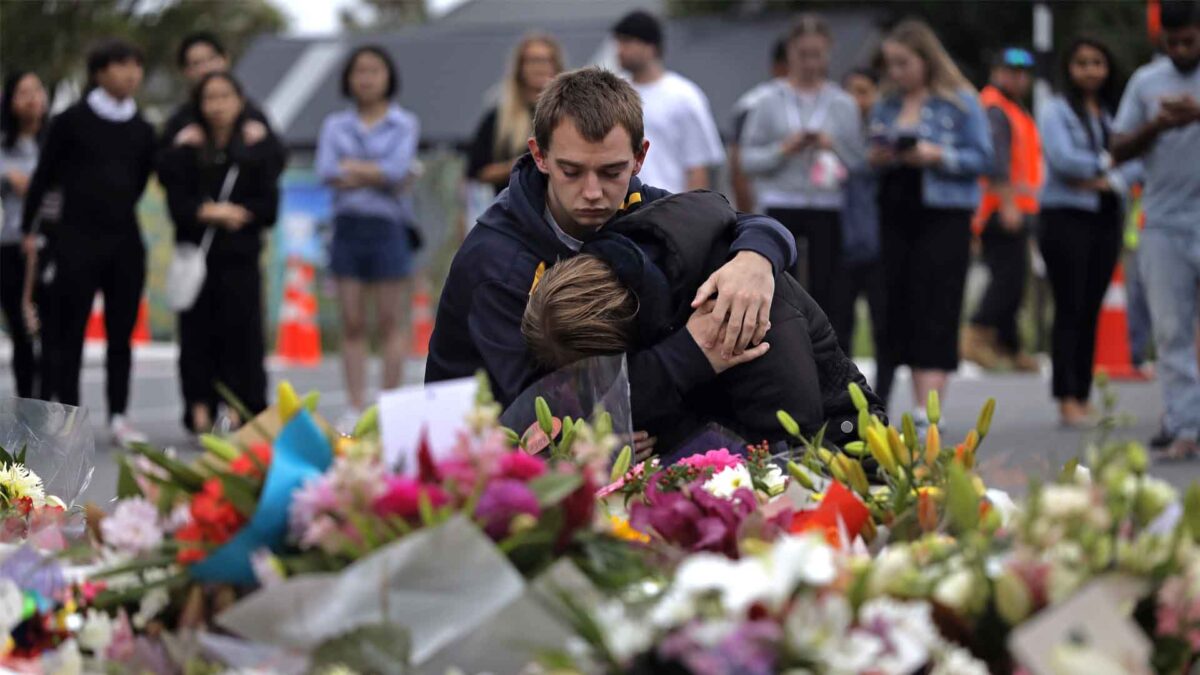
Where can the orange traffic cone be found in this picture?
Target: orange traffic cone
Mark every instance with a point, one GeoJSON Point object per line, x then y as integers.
{"type": "Point", "coordinates": [1113, 353]}
{"type": "Point", "coordinates": [422, 319]}
{"type": "Point", "coordinates": [141, 329]}
{"type": "Point", "coordinates": [95, 325]}
{"type": "Point", "coordinates": [95, 331]}
{"type": "Point", "coordinates": [299, 340]}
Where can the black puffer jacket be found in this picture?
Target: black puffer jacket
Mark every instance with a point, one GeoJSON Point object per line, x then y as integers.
{"type": "Point", "coordinates": [804, 373]}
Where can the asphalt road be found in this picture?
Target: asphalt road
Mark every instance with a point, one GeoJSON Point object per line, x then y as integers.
{"type": "Point", "coordinates": [1026, 440]}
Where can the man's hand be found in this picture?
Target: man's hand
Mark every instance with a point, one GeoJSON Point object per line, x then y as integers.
{"type": "Point", "coordinates": [192, 135]}
{"type": "Point", "coordinates": [795, 143]}
{"type": "Point", "coordinates": [1178, 111]}
{"type": "Point", "coordinates": [880, 156]}
{"type": "Point", "coordinates": [1011, 218]}
{"type": "Point", "coordinates": [923, 154]}
{"type": "Point", "coordinates": [253, 131]}
{"type": "Point", "coordinates": [744, 288]}
{"type": "Point", "coordinates": [720, 363]}
{"type": "Point", "coordinates": [29, 246]}
{"type": "Point", "coordinates": [643, 446]}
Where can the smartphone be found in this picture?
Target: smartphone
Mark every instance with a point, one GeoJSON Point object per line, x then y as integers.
{"type": "Point", "coordinates": [906, 142]}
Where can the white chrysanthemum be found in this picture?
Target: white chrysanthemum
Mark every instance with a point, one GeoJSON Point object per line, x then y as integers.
{"type": "Point", "coordinates": [958, 661]}
{"type": "Point", "coordinates": [17, 482]}
{"type": "Point", "coordinates": [908, 629]}
{"type": "Point", "coordinates": [12, 605]}
{"type": "Point", "coordinates": [729, 480]}
{"type": "Point", "coordinates": [97, 632]}
{"type": "Point", "coordinates": [133, 527]}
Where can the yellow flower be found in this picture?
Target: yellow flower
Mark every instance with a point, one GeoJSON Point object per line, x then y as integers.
{"type": "Point", "coordinates": [622, 530]}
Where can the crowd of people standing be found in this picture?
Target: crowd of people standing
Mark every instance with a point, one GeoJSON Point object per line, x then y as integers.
{"type": "Point", "coordinates": [887, 181]}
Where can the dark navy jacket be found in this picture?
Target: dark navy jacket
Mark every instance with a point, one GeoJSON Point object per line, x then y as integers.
{"type": "Point", "coordinates": [479, 315]}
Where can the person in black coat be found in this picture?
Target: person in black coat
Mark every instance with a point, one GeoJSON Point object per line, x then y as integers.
{"type": "Point", "coordinates": [219, 184]}
{"type": "Point", "coordinates": [634, 282]}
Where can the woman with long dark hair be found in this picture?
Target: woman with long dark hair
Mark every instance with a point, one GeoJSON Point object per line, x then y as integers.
{"type": "Point", "coordinates": [1081, 216]}
{"type": "Point", "coordinates": [930, 142]}
{"type": "Point", "coordinates": [22, 126]}
{"type": "Point", "coordinates": [222, 194]}
{"type": "Point", "coordinates": [367, 153]}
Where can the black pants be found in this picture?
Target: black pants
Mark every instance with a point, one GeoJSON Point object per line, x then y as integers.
{"type": "Point", "coordinates": [221, 339]}
{"type": "Point", "coordinates": [1080, 249]}
{"type": "Point", "coordinates": [1006, 255]}
{"type": "Point", "coordinates": [925, 257]}
{"type": "Point", "coordinates": [863, 280]}
{"type": "Point", "coordinates": [12, 282]}
{"type": "Point", "coordinates": [117, 268]}
{"type": "Point", "coordinates": [49, 309]}
{"type": "Point", "coordinates": [822, 232]}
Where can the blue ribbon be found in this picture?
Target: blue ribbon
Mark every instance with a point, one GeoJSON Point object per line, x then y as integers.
{"type": "Point", "coordinates": [300, 452]}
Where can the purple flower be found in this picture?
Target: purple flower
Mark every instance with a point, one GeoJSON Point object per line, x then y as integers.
{"type": "Point", "coordinates": [32, 571]}
{"type": "Point", "coordinates": [750, 649]}
{"type": "Point", "coordinates": [693, 519]}
{"type": "Point", "coordinates": [503, 500]}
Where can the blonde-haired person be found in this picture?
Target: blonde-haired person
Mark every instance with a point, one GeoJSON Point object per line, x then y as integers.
{"type": "Point", "coordinates": [929, 141]}
{"type": "Point", "coordinates": [798, 144]}
{"type": "Point", "coordinates": [504, 131]}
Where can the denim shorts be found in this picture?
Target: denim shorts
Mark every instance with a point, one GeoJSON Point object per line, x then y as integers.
{"type": "Point", "coordinates": [370, 249]}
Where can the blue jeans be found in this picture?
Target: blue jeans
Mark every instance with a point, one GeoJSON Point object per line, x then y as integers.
{"type": "Point", "coordinates": [1170, 267]}
{"type": "Point", "coordinates": [1138, 308]}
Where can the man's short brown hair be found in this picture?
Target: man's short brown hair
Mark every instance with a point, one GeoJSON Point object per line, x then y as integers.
{"type": "Point", "coordinates": [578, 309]}
{"type": "Point", "coordinates": [596, 100]}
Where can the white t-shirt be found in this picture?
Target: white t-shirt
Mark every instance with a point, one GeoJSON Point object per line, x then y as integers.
{"type": "Point", "coordinates": [681, 131]}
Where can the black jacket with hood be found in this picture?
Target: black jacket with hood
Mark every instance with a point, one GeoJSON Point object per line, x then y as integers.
{"type": "Point", "coordinates": [479, 315]}
{"type": "Point", "coordinates": [805, 372]}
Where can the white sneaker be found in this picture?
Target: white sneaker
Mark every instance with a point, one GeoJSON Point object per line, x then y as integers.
{"type": "Point", "coordinates": [123, 434]}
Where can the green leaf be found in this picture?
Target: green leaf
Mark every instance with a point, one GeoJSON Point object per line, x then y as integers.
{"type": "Point", "coordinates": [962, 504]}
{"type": "Point", "coordinates": [369, 422]}
{"type": "Point", "coordinates": [544, 418]}
{"type": "Point", "coordinates": [1068, 471]}
{"type": "Point", "coordinates": [187, 477]}
{"type": "Point", "coordinates": [240, 493]}
{"type": "Point", "coordinates": [552, 488]}
{"type": "Point", "coordinates": [382, 648]}
{"type": "Point", "coordinates": [127, 486]}
{"type": "Point", "coordinates": [1191, 510]}
{"type": "Point", "coordinates": [6, 458]}
{"type": "Point", "coordinates": [621, 466]}
{"type": "Point", "coordinates": [219, 447]}
{"type": "Point", "coordinates": [858, 397]}
{"type": "Point", "coordinates": [511, 438]}
{"type": "Point", "coordinates": [788, 423]}
{"type": "Point", "coordinates": [21, 455]}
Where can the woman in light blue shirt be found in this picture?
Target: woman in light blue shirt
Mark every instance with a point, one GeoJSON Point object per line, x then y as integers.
{"type": "Point", "coordinates": [367, 154]}
{"type": "Point", "coordinates": [1081, 216]}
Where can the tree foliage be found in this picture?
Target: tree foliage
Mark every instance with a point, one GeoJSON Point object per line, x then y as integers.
{"type": "Point", "coordinates": [52, 37]}
{"type": "Point", "coordinates": [385, 14]}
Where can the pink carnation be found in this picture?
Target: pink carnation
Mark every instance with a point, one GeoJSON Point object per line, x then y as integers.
{"type": "Point", "coordinates": [717, 459]}
{"type": "Point", "coordinates": [502, 501]}
{"type": "Point", "coordinates": [403, 497]}
{"type": "Point", "coordinates": [522, 466]}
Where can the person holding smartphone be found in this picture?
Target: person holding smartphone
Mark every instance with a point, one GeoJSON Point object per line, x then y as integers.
{"type": "Point", "coordinates": [1159, 121]}
{"type": "Point", "coordinates": [929, 144]}
{"type": "Point", "coordinates": [798, 144]}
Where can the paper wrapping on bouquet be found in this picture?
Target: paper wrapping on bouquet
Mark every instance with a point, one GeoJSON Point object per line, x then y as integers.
{"type": "Point", "coordinates": [300, 451]}
{"type": "Point", "coordinates": [449, 587]}
{"type": "Point", "coordinates": [578, 391]}
{"type": "Point", "coordinates": [60, 447]}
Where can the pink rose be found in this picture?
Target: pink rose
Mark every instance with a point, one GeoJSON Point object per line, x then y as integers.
{"type": "Point", "coordinates": [403, 497]}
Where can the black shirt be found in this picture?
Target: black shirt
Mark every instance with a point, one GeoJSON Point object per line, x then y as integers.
{"type": "Point", "coordinates": [101, 166]}
{"type": "Point", "coordinates": [183, 116]}
{"type": "Point", "coordinates": [482, 151]}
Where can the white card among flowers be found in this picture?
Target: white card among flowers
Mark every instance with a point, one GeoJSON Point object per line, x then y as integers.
{"type": "Point", "coordinates": [434, 410]}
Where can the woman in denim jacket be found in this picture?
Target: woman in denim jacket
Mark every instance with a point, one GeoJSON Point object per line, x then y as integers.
{"type": "Point", "coordinates": [930, 143]}
{"type": "Point", "coordinates": [1082, 214]}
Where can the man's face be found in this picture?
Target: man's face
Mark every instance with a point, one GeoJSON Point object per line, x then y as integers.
{"type": "Point", "coordinates": [200, 60]}
{"type": "Point", "coordinates": [635, 55]}
{"type": "Point", "coordinates": [1014, 82]}
{"type": "Point", "coordinates": [121, 79]}
{"type": "Point", "coordinates": [587, 180]}
{"type": "Point", "coordinates": [1183, 47]}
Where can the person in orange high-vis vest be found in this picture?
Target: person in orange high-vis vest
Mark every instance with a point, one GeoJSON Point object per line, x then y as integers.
{"type": "Point", "coordinates": [1002, 219]}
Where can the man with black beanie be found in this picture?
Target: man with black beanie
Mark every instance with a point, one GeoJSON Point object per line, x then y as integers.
{"type": "Point", "coordinates": [100, 152]}
{"type": "Point", "coordinates": [679, 123]}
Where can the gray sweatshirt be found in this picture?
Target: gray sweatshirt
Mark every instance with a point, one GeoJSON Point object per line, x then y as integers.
{"type": "Point", "coordinates": [784, 181]}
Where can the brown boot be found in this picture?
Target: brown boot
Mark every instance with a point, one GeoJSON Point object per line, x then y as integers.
{"type": "Point", "coordinates": [978, 344]}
